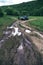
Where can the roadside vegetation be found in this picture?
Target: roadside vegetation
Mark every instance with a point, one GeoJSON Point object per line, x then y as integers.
{"type": "Point", "coordinates": [37, 23]}
{"type": "Point", "coordinates": [6, 21]}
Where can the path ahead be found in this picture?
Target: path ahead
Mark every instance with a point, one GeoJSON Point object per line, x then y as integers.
{"type": "Point", "coordinates": [24, 43]}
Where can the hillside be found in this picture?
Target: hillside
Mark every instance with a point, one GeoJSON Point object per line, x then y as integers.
{"type": "Point", "coordinates": [26, 8]}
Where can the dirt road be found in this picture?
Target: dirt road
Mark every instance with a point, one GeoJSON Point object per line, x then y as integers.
{"type": "Point", "coordinates": [27, 52]}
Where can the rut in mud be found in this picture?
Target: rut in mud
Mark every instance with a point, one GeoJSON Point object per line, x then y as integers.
{"type": "Point", "coordinates": [19, 50]}
{"type": "Point", "coordinates": [28, 54]}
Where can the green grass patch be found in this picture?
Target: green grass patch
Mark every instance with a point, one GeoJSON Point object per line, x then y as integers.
{"type": "Point", "coordinates": [6, 21]}
{"type": "Point", "coordinates": [37, 24]}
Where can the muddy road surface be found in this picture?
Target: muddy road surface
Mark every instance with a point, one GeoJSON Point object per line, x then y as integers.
{"type": "Point", "coordinates": [26, 52]}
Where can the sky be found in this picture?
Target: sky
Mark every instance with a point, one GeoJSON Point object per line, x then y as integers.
{"type": "Point", "coordinates": [11, 2]}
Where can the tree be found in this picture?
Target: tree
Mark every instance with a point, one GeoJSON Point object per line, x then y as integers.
{"type": "Point", "coordinates": [1, 12]}
{"type": "Point", "coordinates": [11, 11]}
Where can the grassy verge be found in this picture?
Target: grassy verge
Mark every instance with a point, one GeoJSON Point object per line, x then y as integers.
{"type": "Point", "coordinates": [37, 24]}
{"type": "Point", "coordinates": [6, 21]}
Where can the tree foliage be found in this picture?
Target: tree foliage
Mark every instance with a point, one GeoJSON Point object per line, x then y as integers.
{"type": "Point", "coordinates": [1, 12]}
{"type": "Point", "coordinates": [11, 11]}
{"type": "Point", "coordinates": [28, 8]}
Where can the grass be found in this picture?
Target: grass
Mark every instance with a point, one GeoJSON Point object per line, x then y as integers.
{"type": "Point", "coordinates": [6, 21]}
{"type": "Point", "coordinates": [37, 24]}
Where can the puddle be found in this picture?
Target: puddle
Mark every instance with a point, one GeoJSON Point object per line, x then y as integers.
{"type": "Point", "coordinates": [16, 32]}
{"type": "Point", "coordinates": [19, 33]}
{"type": "Point", "coordinates": [27, 31]}
{"type": "Point", "coordinates": [20, 47]}
{"type": "Point", "coordinates": [10, 27]}
{"type": "Point", "coordinates": [6, 32]}
{"type": "Point", "coordinates": [1, 41]}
